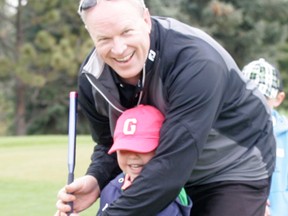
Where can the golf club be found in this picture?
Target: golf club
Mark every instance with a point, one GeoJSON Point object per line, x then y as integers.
{"type": "Point", "coordinates": [73, 96]}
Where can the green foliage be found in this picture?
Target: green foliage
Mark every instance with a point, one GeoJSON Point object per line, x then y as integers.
{"type": "Point", "coordinates": [28, 52]}
{"type": "Point", "coordinates": [283, 67]}
{"type": "Point", "coordinates": [242, 27]}
{"type": "Point", "coordinates": [6, 108]}
{"type": "Point", "coordinates": [51, 43]}
{"type": "Point", "coordinates": [45, 40]}
{"type": "Point", "coordinates": [247, 29]}
{"type": "Point", "coordinates": [6, 66]}
{"type": "Point", "coordinates": [166, 8]}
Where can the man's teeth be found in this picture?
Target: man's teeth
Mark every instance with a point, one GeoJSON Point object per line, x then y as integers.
{"type": "Point", "coordinates": [124, 59]}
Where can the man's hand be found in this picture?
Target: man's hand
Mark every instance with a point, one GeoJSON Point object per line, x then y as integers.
{"type": "Point", "coordinates": [83, 192]}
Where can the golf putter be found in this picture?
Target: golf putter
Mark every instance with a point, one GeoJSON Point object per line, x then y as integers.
{"type": "Point", "coordinates": [73, 100]}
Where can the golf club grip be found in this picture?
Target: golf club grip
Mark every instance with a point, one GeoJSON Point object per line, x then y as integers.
{"type": "Point", "coordinates": [70, 180]}
{"type": "Point", "coordinates": [71, 205]}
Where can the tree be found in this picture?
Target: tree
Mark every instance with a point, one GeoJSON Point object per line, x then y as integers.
{"type": "Point", "coordinates": [7, 49]}
{"type": "Point", "coordinates": [249, 30]}
{"type": "Point", "coordinates": [50, 43]}
{"type": "Point", "coordinates": [166, 8]}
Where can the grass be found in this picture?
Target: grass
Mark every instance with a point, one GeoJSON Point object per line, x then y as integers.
{"type": "Point", "coordinates": [33, 169]}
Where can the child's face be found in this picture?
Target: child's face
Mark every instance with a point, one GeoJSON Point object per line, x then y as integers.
{"type": "Point", "coordinates": [132, 163]}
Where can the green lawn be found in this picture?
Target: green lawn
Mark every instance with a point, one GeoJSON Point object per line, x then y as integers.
{"type": "Point", "coordinates": [33, 169]}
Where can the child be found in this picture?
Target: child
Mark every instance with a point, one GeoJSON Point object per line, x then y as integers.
{"type": "Point", "coordinates": [136, 138]}
{"type": "Point", "coordinates": [269, 82]}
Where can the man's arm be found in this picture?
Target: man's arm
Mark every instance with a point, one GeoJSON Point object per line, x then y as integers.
{"type": "Point", "coordinates": [195, 95]}
{"type": "Point", "coordinates": [103, 167]}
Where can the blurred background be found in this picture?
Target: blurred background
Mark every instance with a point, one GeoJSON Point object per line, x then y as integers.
{"type": "Point", "coordinates": [42, 44]}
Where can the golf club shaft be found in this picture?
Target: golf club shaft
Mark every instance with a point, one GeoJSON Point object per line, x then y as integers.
{"type": "Point", "coordinates": [73, 96]}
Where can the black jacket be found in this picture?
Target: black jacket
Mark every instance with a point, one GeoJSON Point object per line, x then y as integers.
{"type": "Point", "coordinates": [217, 125]}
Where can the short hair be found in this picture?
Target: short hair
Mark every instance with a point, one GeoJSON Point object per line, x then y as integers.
{"type": "Point", "coordinates": [82, 13]}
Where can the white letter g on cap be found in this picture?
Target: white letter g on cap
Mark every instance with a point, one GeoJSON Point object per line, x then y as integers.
{"type": "Point", "coordinates": [129, 126]}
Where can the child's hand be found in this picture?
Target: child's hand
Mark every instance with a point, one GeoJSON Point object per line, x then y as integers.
{"type": "Point", "coordinates": [127, 182]}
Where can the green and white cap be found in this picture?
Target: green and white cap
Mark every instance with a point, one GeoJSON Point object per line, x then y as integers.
{"type": "Point", "coordinates": [266, 77]}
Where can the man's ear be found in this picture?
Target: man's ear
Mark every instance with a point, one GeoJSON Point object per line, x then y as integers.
{"type": "Point", "coordinates": [147, 19]}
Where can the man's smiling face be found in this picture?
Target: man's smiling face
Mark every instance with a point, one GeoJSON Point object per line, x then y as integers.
{"type": "Point", "coordinates": [121, 33]}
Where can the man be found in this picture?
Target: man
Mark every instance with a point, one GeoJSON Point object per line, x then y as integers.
{"type": "Point", "coordinates": [217, 137]}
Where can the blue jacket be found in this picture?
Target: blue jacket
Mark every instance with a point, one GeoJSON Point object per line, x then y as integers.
{"type": "Point", "coordinates": [279, 187]}
{"type": "Point", "coordinates": [113, 190]}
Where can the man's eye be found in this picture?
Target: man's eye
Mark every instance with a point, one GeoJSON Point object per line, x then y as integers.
{"type": "Point", "coordinates": [102, 39]}
{"type": "Point", "coordinates": [127, 31]}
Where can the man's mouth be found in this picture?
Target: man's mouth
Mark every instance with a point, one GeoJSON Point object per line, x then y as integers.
{"type": "Point", "coordinates": [125, 59]}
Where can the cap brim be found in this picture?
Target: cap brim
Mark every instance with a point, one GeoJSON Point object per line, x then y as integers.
{"type": "Point", "coordinates": [142, 146]}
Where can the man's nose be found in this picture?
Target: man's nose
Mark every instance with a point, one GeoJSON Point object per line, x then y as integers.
{"type": "Point", "coordinates": [119, 46]}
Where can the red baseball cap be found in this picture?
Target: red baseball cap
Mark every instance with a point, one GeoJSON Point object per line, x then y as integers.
{"type": "Point", "coordinates": [138, 130]}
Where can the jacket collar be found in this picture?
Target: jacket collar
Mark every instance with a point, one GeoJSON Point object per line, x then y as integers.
{"type": "Point", "coordinates": [154, 47]}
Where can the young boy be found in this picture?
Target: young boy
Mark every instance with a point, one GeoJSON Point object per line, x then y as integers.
{"type": "Point", "coordinates": [269, 82]}
{"type": "Point", "coordinates": [136, 138]}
